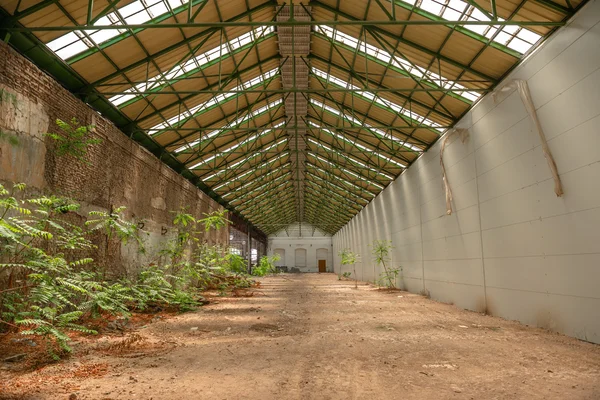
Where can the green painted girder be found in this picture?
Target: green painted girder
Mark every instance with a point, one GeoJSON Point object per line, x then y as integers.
{"type": "Point", "coordinates": [270, 191]}
{"type": "Point", "coordinates": [273, 215]}
{"type": "Point", "coordinates": [406, 119]}
{"type": "Point", "coordinates": [346, 209]}
{"type": "Point", "coordinates": [263, 205]}
{"type": "Point", "coordinates": [353, 185]}
{"type": "Point", "coordinates": [203, 110]}
{"type": "Point", "coordinates": [340, 188]}
{"type": "Point", "coordinates": [319, 204]}
{"type": "Point", "coordinates": [256, 176]}
{"type": "Point", "coordinates": [285, 214]}
{"type": "Point", "coordinates": [267, 213]}
{"type": "Point", "coordinates": [349, 162]}
{"type": "Point", "coordinates": [352, 141]}
{"type": "Point", "coordinates": [319, 215]}
{"type": "Point", "coordinates": [419, 47]}
{"type": "Point", "coordinates": [222, 148]}
{"type": "Point", "coordinates": [344, 173]}
{"type": "Point", "coordinates": [326, 193]}
{"type": "Point", "coordinates": [359, 115]}
{"type": "Point", "coordinates": [159, 89]}
{"type": "Point", "coordinates": [395, 154]}
{"type": "Point", "coordinates": [350, 167]}
{"type": "Point", "coordinates": [268, 184]}
{"type": "Point", "coordinates": [350, 22]}
{"type": "Point", "coordinates": [240, 112]}
{"type": "Point", "coordinates": [249, 160]}
{"type": "Point", "coordinates": [349, 110]}
{"type": "Point", "coordinates": [279, 91]}
{"type": "Point", "coordinates": [264, 198]}
{"type": "Point", "coordinates": [375, 87]}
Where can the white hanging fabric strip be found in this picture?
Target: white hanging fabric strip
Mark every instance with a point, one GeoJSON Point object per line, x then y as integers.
{"type": "Point", "coordinates": [523, 88]}
{"type": "Point", "coordinates": [463, 135]}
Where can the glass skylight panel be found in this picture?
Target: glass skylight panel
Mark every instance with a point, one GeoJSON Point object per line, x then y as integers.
{"type": "Point", "coordinates": [350, 159]}
{"type": "Point", "coordinates": [192, 64]}
{"type": "Point", "coordinates": [339, 187]}
{"type": "Point", "coordinates": [347, 171]}
{"type": "Point", "coordinates": [232, 124]}
{"type": "Point", "coordinates": [260, 187]}
{"type": "Point", "coordinates": [176, 120]}
{"type": "Point", "coordinates": [403, 64]}
{"type": "Point", "coordinates": [252, 170]}
{"type": "Point", "coordinates": [379, 132]}
{"type": "Point", "coordinates": [234, 165]}
{"type": "Point", "coordinates": [360, 146]}
{"type": "Point", "coordinates": [235, 146]}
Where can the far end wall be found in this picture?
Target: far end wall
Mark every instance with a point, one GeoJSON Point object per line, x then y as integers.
{"type": "Point", "coordinates": [302, 248]}
{"type": "Point", "coordinates": [511, 247]}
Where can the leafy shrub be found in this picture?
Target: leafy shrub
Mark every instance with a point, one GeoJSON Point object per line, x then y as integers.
{"type": "Point", "coordinates": [73, 139]}
{"type": "Point", "coordinates": [266, 265]}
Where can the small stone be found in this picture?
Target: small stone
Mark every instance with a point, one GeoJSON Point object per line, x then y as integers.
{"type": "Point", "coordinates": [73, 396]}
{"type": "Point", "coordinates": [456, 389]}
{"type": "Point", "coordinates": [194, 328]}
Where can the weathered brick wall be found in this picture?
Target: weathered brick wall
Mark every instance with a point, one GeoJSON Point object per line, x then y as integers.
{"type": "Point", "coordinates": [120, 172]}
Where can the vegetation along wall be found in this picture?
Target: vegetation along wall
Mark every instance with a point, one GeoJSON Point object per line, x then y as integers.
{"type": "Point", "coordinates": [117, 172]}
{"type": "Point", "coordinates": [511, 247]}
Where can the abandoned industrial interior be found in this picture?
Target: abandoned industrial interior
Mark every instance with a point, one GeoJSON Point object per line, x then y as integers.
{"type": "Point", "coordinates": [277, 199]}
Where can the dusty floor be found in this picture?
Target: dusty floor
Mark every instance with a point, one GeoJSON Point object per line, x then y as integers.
{"type": "Point", "coordinates": [314, 337]}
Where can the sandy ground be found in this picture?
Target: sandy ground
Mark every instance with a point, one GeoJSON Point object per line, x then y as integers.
{"type": "Point", "coordinates": [314, 337]}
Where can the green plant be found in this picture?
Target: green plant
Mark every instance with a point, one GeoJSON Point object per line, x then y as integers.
{"type": "Point", "coordinates": [74, 139]}
{"type": "Point", "coordinates": [349, 258]}
{"type": "Point", "coordinates": [266, 265]}
{"type": "Point", "coordinates": [381, 254]}
{"type": "Point", "coordinates": [9, 137]}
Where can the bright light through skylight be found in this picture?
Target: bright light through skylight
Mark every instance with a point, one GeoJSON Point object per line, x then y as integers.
{"type": "Point", "coordinates": [192, 65]}
{"type": "Point", "coordinates": [230, 149]}
{"type": "Point", "coordinates": [135, 13]}
{"type": "Point", "coordinates": [383, 102]}
{"type": "Point", "coordinates": [514, 37]}
{"type": "Point", "coordinates": [398, 62]}
{"type": "Point", "coordinates": [360, 146]}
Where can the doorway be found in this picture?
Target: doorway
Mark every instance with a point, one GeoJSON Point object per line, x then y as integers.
{"type": "Point", "coordinates": [322, 266]}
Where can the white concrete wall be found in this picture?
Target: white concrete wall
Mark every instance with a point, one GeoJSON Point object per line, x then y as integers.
{"type": "Point", "coordinates": [511, 247]}
{"type": "Point", "coordinates": [311, 241]}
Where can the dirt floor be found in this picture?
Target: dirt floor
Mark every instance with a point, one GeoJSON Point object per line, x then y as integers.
{"type": "Point", "coordinates": [314, 337]}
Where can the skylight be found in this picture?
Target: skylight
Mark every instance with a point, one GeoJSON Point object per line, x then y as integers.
{"type": "Point", "coordinates": [514, 37]}
{"type": "Point", "coordinates": [231, 167]}
{"type": "Point", "coordinates": [257, 168]}
{"type": "Point", "coordinates": [339, 188]}
{"type": "Point", "coordinates": [405, 65]}
{"type": "Point", "coordinates": [347, 171]}
{"type": "Point", "coordinates": [378, 132]}
{"type": "Point", "coordinates": [192, 65]}
{"type": "Point", "coordinates": [261, 187]}
{"type": "Point", "coordinates": [360, 146]}
{"type": "Point", "coordinates": [137, 12]}
{"type": "Point", "coordinates": [382, 102]}
{"type": "Point", "coordinates": [237, 122]}
{"type": "Point", "coordinates": [219, 98]}
{"type": "Point", "coordinates": [350, 159]}
{"type": "Point", "coordinates": [230, 149]}
{"type": "Point", "coordinates": [346, 182]}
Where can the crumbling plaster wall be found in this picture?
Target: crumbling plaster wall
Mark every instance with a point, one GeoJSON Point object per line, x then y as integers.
{"type": "Point", "coordinates": [119, 172]}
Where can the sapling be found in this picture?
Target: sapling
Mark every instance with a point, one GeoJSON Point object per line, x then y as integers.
{"type": "Point", "coordinates": [350, 258]}
{"type": "Point", "coordinates": [381, 254]}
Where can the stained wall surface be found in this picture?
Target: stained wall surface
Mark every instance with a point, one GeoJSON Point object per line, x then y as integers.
{"type": "Point", "coordinates": [511, 248]}
{"type": "Point", "coordinates": [119, 172]}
